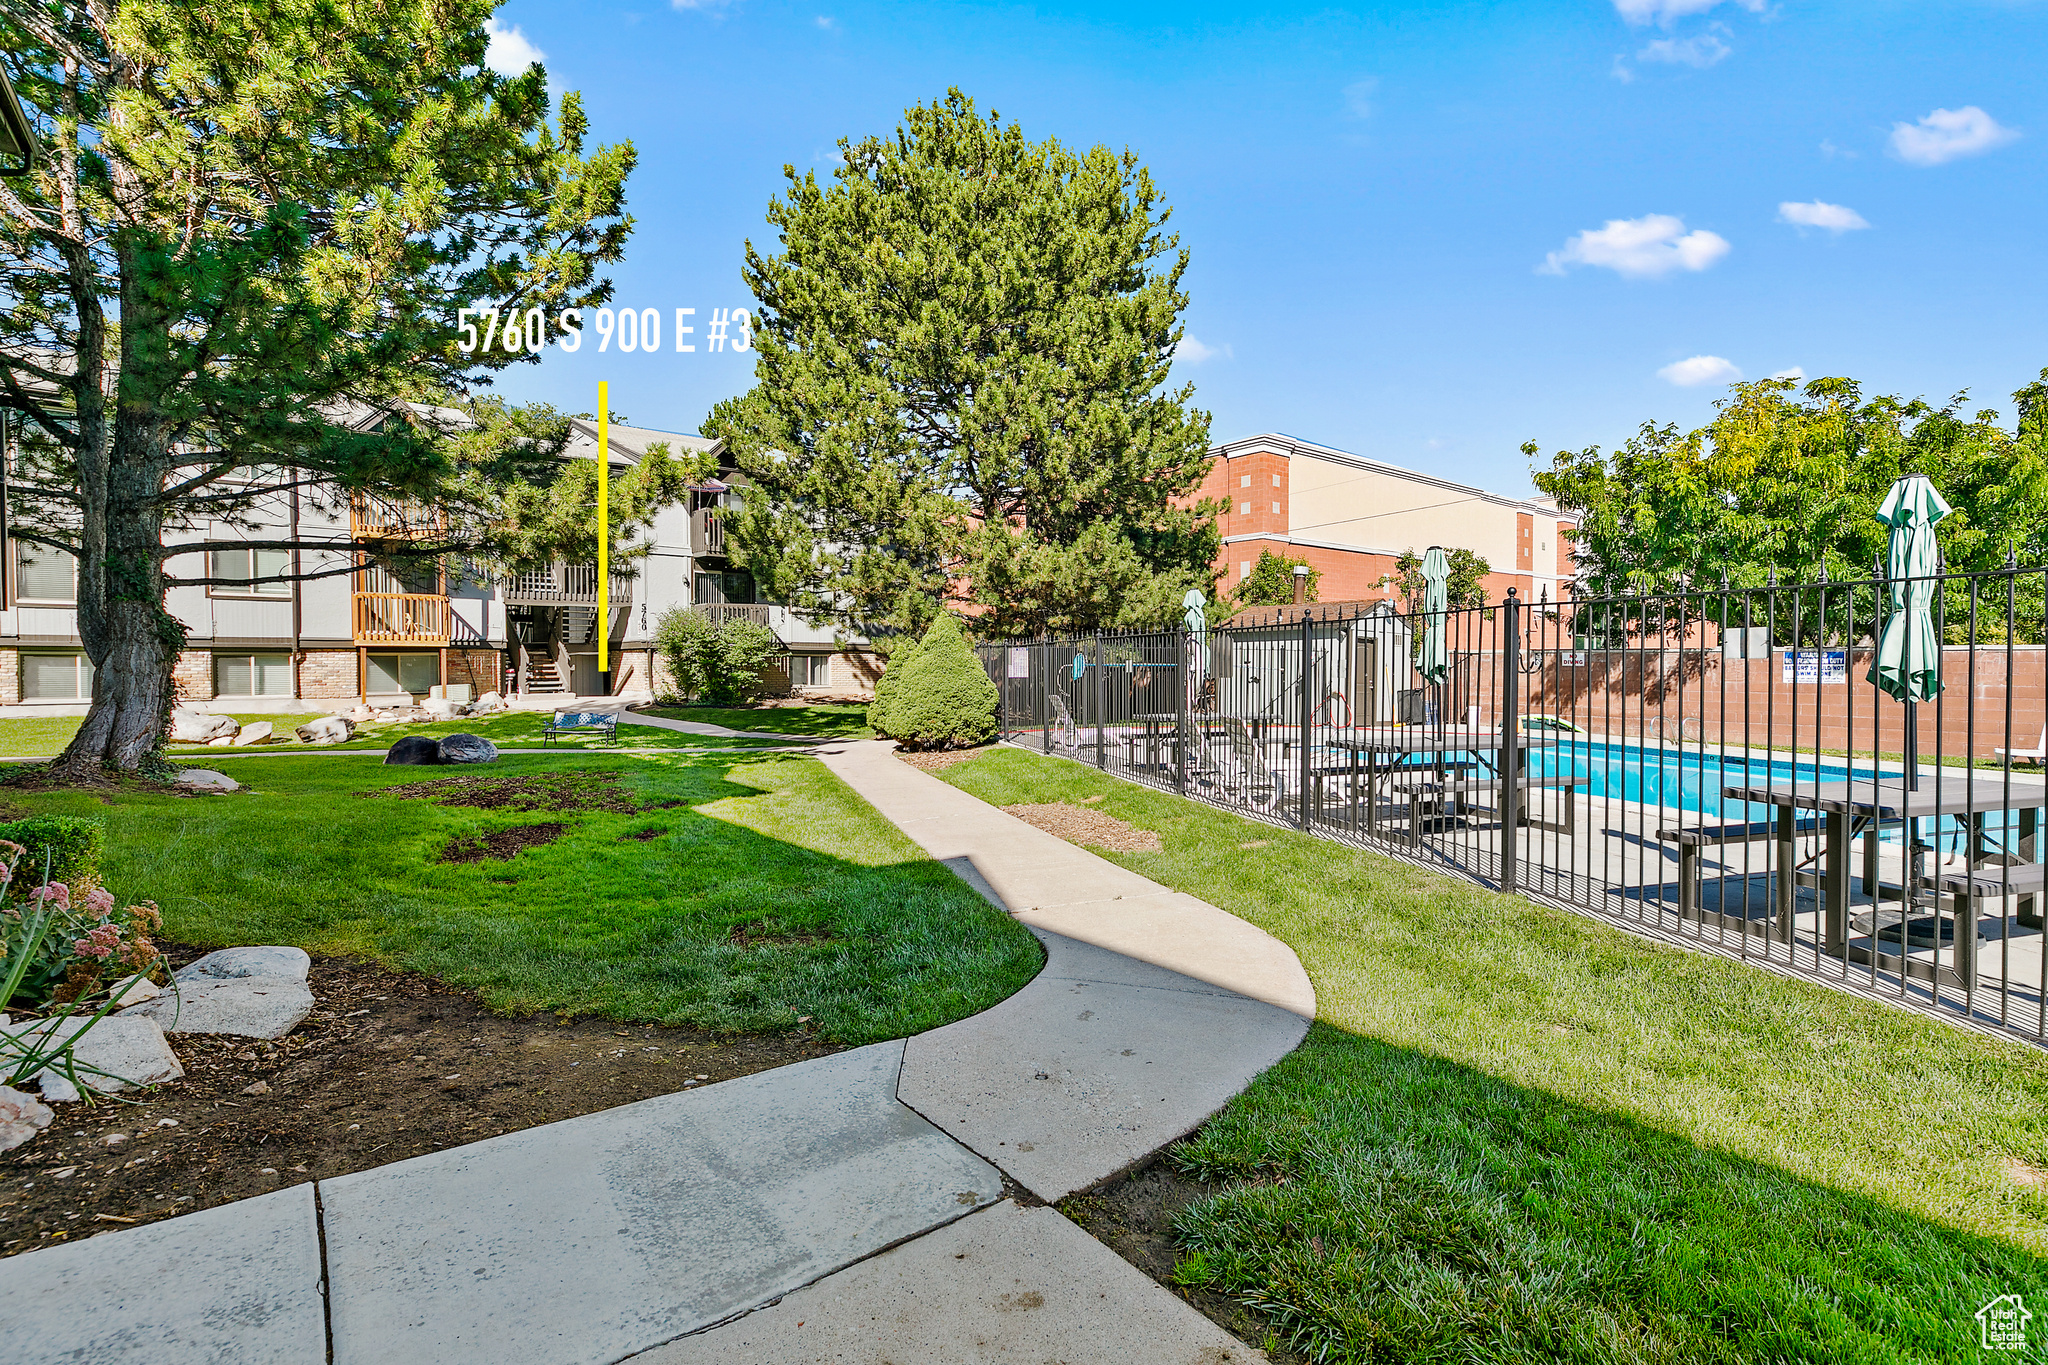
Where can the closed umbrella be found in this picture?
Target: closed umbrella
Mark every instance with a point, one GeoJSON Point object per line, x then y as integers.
{"type": "Point", "coordinates": [1435, 661]}
{"type": "Point", "coordinates": [1908, 663]}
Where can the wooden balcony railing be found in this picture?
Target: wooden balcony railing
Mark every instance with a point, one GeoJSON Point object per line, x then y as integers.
{"type": "Point", "coordinates": [375, 518]}
{"type": "Point", "coordinates": [716, 612]}
{"type": "Point", "coordinates": [401, 618]}
{"type": "Point", "coordinates": [561, 584]}
{"type": "Point", "coordinates": [710, 532]}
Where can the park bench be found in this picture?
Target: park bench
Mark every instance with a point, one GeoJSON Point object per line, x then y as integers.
{"type": "Point", "coordinates": [602, 724]}
{"type": "Point", "coordinates": [1692, 843]}
{"type": "Point", "coordinates": [1432, 790]}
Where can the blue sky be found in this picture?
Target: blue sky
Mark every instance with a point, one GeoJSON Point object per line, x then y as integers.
{"type": "Point", "coordinates": [1425, 233]}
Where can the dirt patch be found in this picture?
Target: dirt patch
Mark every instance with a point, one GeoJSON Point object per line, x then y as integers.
{"type": "Point", "coordinates": [767, 933]}
{"type": "Point", "coordinates": [1134, 1218]}
{"type": "Point", "coordinates": [504, 844]}
{"type": "Point", "coordinates": [563, 793]}
{"type": "Point", "coordinates": [940, 758]}
{"type": "Point", "coordinates": [643, 836]}
{"type": "Point", "coordinates": [390, 1065]}
{"type": "Point", "coordinates": [1084, 825]}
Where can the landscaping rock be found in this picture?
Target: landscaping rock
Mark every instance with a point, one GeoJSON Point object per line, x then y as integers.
{"type": "Point", "coordinates": [21, 1117]}
{"type": "Point", "coordinates": [232, 963]}
{"type": "Point", "coordinates": [130, 1049]}
{"type": "Point", "coordinates": [254, 733]}
{"type": "Point", "coordinates": [487, 703]}
{"type": "Point", "coordinates": [194, 727]}
{"type": "Point", "coordinates": [359, 714]}
{"type": "Point", "coordinates": [208, 779]}
{"type": "Point", "coordinates": [468, 749]}
{"type": "Point", "coordinates": [221, 742]}
{"type": "Point", "coordinates": [327, 730]}
{"type": "Point", "coordinates": [415, 749]}
{"type": "Point", "coordinates": [244, 1006]}
{"type": "Point", "coordinates": [133, 990]}
{"type": "Point", "coordinates": [440, 708]}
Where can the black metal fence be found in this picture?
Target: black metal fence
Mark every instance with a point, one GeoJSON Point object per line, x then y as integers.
{"type": "Point", "coordinates": [1720, 768]}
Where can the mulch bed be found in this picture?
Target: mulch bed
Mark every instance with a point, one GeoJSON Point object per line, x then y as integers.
{"type": "Point", "coordinates": [390, 1065]}
{"type": "Point", "coordinates": [504, 844]}
{"type": "Point", "coordinates": [940, 758]}
{"type": "Point", "coordinates": [1134, 1218]}
{"type": "Point", "coordinates": [1083, 825]}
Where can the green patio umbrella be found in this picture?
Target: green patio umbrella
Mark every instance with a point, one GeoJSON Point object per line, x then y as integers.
{"type": "Point", "coordinates": [1435, 661]}
{"type": "Point", "coordinates": [1908, 663]}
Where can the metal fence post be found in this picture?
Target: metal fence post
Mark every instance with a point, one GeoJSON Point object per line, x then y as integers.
{"type": "Point", "coordinates": [1308, 718]}
{"type": "Point", "coordinates": [1045, 697]}
{"type": "Point", "coordinates": [1096, 706]}
{"type": "Point", "coordinates": [1183, 735]}
{"type": "Point", "coordinates": [1510, 740]}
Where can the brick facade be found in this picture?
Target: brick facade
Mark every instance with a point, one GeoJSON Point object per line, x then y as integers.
{"type": "Point", "coordinates": [192, 675]}
{"type": "Point", "coordinates": [10, 677]}
{"type": "Point", "coordinates": [482, 669]}
{"type": "Point", "coordinates": [329, 674]}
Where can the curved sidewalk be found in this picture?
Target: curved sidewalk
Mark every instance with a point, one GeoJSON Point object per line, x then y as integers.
{"type": "Point", "coordinates": [844, 1209]}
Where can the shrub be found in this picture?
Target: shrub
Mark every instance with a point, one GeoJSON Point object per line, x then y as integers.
{"type": "Point", "coordinates": [886, 685]}
{"type": "Point", "coordinates": [942, 698]}
{"type": "Point", "coordinates": [75, 844]}
{"type": "Point", "coordinates": [721, 664]}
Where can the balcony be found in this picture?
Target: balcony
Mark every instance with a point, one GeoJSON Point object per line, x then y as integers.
{"type": "Point", "coordinates": [375, 518]}
{"type": "Point", "coordinates": [710, 531]}
{"type": "Point", "coordinates": [560, 584]}
{"type": "Point", "coordinates": [401, 618]}
{"type": "Point", "coordinates": [720, 612]}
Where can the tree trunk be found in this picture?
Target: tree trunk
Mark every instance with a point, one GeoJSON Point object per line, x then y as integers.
{"type": "Point", "coordinates": [132, 697]}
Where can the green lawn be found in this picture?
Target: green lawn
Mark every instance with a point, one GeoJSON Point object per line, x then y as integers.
{"type": "Point", "coordinates": [1517, 1135]}
{"type": "Point", "coordinates": [877, 940]}
{"type": "Point", "coordinates": [506, 729]}
{"type": "Point", "coordinates": [45, 736]}
{"type": "Point", "coordinates": [818, 722]}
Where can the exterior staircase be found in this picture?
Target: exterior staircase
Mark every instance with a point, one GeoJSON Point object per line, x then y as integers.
{"type": "Point", "coordinates": [541, 676]}
{"type": "Point", "coordinates": [579, 625]}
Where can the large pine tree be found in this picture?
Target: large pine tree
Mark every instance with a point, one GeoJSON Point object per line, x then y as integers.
{"type": "Point", "coordinates": [961, 391]}
{"type": "Point", "coordinates": [254, 217]}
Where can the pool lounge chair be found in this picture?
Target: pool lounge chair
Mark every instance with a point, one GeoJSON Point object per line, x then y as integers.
{"type": "Point", "coordinates": [2037, 754]}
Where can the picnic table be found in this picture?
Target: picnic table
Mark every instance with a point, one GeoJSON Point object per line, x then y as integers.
{"type": "Point", "coordinates": [1862, 806]}
{"type": "Point", "coordinates": [1386, 753]}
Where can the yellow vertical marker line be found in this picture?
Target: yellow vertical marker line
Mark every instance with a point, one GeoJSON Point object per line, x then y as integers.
{"type": "Point", "coordinates": [604, 538]}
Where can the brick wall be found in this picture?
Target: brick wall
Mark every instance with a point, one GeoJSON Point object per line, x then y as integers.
{"type": "Point", "coordinates": [191, 675]}
{"type": "Point", "coordinates": [329, 674]}
{"type": "Point", "coordinates": [10, 677]}
{"type": "Point", "coordinates": [482, 669]}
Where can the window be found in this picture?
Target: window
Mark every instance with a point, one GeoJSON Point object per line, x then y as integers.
{"type": "Point", "coordinates": [1276, 509]}
{"type": "Point", "coordinates": [1276, 481]}
{"type": "Point", "coordinates": [1244, 509]}
{"type": "Point", "coordinates": [243, 566]}
{"type": "Point", "coordinates": [808, 670]}
{"type": "Point", "coordinates": [1244, 568]}
{"type": "Point", "coordinates": [1247, 482]}
{"type": "Point", "coordinates": [734, 585]}
{"type": "Point", "coordinates": [56, 677]}
{"type": "Point", "coordinates": [252, 675]}
{"type": "Point", "coordinates": [42, 574]}
{"type": "Point", "coordinates": [414, 673]}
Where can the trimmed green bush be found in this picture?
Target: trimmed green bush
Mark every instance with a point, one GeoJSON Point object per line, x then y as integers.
{"type": "Point", "coordinates": [75, 844]}
{"type": "Point", "coordinates": [942, 697]}
{"type": "Point", "coordinates": [885, 686]}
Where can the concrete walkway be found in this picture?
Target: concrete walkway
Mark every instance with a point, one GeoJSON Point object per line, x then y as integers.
{"type": "Point", "coordinates": [846, 1209]}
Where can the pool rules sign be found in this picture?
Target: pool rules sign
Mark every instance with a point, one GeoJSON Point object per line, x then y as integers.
{"type": "Point", "coordinates": [1816, 665]}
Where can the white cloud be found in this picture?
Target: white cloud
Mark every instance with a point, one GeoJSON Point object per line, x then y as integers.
{"type": "Point", "coordinates": [1702, 51]}
{"type": "Point", "coordinates": [1835, 218]}
{"type": "Point", "coordinates": [1795, 374]}
{"type": "Point", "coordinates": [1358, 97]}
{"type": "Point", "coordinates": [1194, 352]}
{"type": "Point", "coordinates": [1639, 248]}
{"type": "Point", "coordinates": [1698, 370]}
{"type": "Point", "coordinates": [705, 6]}
{"type": "Point", "coordinates": [827, 22]}
{"type": "Point", "coordinates": [1947, 134]}
{"type": "Point", "coordinates": [510, 51]}
{"type": "Point", "coordinates": [1665, 12]}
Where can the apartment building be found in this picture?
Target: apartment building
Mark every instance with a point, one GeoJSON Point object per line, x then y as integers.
{"type": "Point", "coordinates": [364, 632]}
{"type": "Point", "coordinates": [1351, 517]}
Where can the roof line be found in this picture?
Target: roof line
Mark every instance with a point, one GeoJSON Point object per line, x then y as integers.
{"type": "Point", "coordinates": [1294, 445]}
